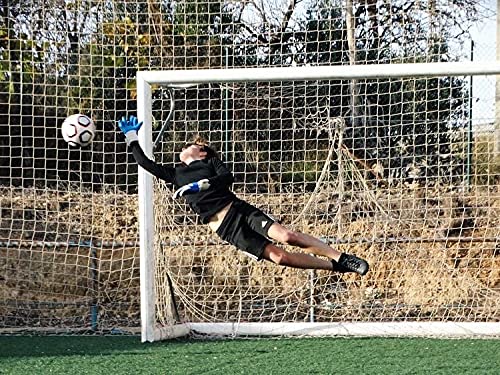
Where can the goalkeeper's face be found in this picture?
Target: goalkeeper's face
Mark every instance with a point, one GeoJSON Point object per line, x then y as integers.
{"type": "Point", "coordinates": [192, 152]}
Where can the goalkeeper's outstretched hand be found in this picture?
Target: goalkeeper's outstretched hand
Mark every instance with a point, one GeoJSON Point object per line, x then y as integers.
{"type": "Point", "coordinates": [130, 128]}
{"type": "Point", "coordinates": [131, 124]}
{"type": "Point", "coordinates": [193, 187]}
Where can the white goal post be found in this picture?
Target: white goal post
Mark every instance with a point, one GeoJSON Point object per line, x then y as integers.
{"type": "Point", "coordinates": [425, 322]}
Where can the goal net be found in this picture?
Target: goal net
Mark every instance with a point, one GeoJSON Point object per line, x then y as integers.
{"type": "Point", "coordinates": [385, 161]}
{"type": "Point", "coordinates": [401, 169]}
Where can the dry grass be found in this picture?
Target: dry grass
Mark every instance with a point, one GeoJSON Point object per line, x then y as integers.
{"type": "Point", "coordinates": [447, 268]}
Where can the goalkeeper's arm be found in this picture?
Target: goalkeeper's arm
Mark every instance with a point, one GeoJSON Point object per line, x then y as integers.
{"type": "Point", "coordinates": [193, 187]}
{"type": "Point", "coordinates": [224, 176]}
{"type": "Point", "coordinates": [130, 128]}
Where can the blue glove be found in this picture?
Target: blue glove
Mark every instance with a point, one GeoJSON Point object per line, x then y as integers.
{"type": "Point", "coordinates": [193, 187]}
{"type": "Point", "coordinates": [129, 125]}
{"type": "Point", "coordinates": [130, 128]}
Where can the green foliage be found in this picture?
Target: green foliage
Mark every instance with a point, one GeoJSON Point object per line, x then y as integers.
{"type": "Point", "coordinates": [92, 69]}
{"type": "Point", "coordinates": [485, 163]}
{"type": "Point", "coordinates": [300, 172]}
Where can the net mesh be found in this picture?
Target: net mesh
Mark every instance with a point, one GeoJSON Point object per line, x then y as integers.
{"type": "Point", "coordinates": [393, 187]}
{"type": "Point", "coordinates": [387, 169]}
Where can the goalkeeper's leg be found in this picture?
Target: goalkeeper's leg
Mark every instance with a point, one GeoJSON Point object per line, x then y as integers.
{"type": "Point", "coordinates": [282, 257]}
{"type": "Point", "coordinates": [341, 262]}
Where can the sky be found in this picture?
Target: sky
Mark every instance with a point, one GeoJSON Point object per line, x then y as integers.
{"type": "Point", "coordinates": [484, 36]}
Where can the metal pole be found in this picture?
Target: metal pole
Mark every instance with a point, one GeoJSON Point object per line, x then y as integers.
{"type": "Point", "coordinates": [312, 276]}
{"type": "Point", "coordinates": [469, 130]}
{"type": "Point", "coordinates": [226, 112]}
{"type": "Point", "coordinates": [496, 136]}
{"type": "Point", "coordinates": [94, 274]}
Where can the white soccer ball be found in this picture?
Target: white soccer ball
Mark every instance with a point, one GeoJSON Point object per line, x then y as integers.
{"type": "Point", "coordinates": [78, 130]}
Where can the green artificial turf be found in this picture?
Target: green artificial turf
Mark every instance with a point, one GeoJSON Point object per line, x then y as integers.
{"type": "Point", "coordinates": [127, 355]}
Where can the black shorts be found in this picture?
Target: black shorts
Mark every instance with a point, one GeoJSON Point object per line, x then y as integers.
{"type": "Point", "coordinates": [245, 227]}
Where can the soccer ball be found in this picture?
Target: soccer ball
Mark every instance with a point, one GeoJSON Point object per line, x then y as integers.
{"type": "Point", "coordinates": [78, 130]}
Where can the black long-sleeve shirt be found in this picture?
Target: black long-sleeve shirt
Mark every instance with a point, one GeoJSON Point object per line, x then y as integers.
{"type": "Point", "coordinates": [204, 203]}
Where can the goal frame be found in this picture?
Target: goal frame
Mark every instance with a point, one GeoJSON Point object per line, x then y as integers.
{"type": "Point", "coordinates": [145, 79]}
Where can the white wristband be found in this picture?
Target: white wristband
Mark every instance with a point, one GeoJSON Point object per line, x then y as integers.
{"type": "Point", "coordinates": [203, 184]}
{"type": "Point", "coordinates": [131, 136]}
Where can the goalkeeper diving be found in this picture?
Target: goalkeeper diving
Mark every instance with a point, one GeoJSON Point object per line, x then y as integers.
{"type": "Point", "coordinates": [205, 182]}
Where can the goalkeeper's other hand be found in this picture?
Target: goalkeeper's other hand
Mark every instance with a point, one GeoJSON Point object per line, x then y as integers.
{"type": "Point", "coordinates": [193, 187]}
{"type": "Point", "coordinates": [130, 128]}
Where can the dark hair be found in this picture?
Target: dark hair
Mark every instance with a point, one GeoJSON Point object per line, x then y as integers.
{"type": "Point", "coordinates": [200, 141]}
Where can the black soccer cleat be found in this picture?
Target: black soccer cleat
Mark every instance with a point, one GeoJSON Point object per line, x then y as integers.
{"type": "Point", "coordinates": [338, 268]}
{"type": "Point", "coordinates": [350, 263]}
